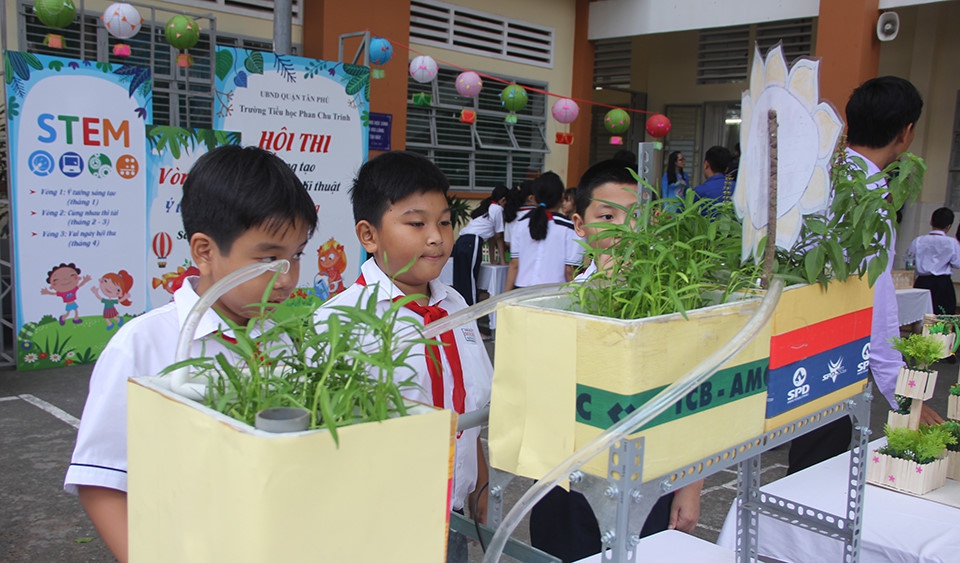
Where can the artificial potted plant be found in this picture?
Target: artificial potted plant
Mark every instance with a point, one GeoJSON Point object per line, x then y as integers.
{"type": "Point", "coordinates": [953, 450]}
{"type": "Point", "coordinates": [199, 470]}
{"type": "Point", "coordinates": [953, 402]}
{"type": "Point", "coordinates": [912, 460]}
{"type": "Point", "coordinates": [916, 380]}
{"type": "Point", "coordinates": [945, 332]}
{"type": "Point", "coordinates": [906, 415]}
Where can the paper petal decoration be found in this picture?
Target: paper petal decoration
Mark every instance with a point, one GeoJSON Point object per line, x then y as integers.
{"type": "Point", "coordinates": [53, 41]}
{"type": "Point", "coordinates": [510, 118]}
{"type": "Point", "coordinates": [616, 140]}
{"type": "Point", "coordinates": [121, 50]}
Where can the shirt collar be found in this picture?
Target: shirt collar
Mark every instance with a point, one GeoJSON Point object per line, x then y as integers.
{"type": "Point", "coordinates": [388, 291]}
{"type": "Point", "coordinates": [185, 298]}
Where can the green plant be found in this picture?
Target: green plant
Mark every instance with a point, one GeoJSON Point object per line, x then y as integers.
{"type": "Point", "coordinates": [459, 211]}
{"type": "Point", "coordinates": [953, 428]}
{"type": "Point", "coordinates": [903, 404]}
{"type": "Point", "coordinates": [851, 237]}
{"type": "Point", "coordinates": [955, 389]}
{"type": "Point", "coordinates": [923, 446]}
{"type": "Point", "coordinates": [675, 256]}
{"type": "Point", "coordinates": [920, 351]}
{"type": "Point", "coordinates": [341, 369]}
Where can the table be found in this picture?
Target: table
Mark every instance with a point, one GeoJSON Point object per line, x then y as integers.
{"type": "Point", "coordinates": [896, 526]}
{"type": "Point", "coordinates": [912, 304]}
{"type": "Point", "coordinates": [671, 545]}
{"type": "Point", "coordinates": [493, 280]}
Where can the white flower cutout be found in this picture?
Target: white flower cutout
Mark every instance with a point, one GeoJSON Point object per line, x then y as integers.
{"type": "Point", "coordinates": [806, 136]}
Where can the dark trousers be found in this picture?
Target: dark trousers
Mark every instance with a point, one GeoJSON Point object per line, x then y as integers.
{"type": "Point", "coordinates": [819, 445]}
{"type": "Point", "coordinates": [466, 266]}
{"type": "Point", "coordinates": [563, 524]}
{"type": "Point", "coordinates": [941, 292]}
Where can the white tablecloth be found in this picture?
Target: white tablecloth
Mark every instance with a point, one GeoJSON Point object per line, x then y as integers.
{"type": "Point", "coordinates": [913, 304]}
{"type": "Point", "coordinates": [493, 280]}
{"type": "Point", "coordinates": [896, 527]}
{"type": "Point", "coordinates": [671, 545]}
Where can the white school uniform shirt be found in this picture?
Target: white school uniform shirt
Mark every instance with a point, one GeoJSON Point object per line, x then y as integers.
{"type": "Point", "coordinates": [508, 227]}
{"type": "Point", "coordinates": [485, 226]}
{"type": "Point", "coordinates": [141, 348]}
{"type": "Point", "coordinates": [585, 275]}
{"type": "Point", "coordinates": [545, 261]}
{"type": "Point", "coordinates": [937, 254]}
{"type": "Point", "coordinates": [477, 370]}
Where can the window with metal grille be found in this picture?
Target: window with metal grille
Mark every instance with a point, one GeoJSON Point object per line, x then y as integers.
{"type": "Point", "coordinates": [477, 157]}
{"type": "Point", "coordinates": [258, 8]}
{"type": "Point", "coordinates": [723, 55]}
{"type": "Point", "coordinates": [796, 36]}
{"type": "Point", "coordinates": [181, 97]}
{"type": "Point", "coordinates": [480, 33]}
{"type": "Point", "coordinates": [612, 60]}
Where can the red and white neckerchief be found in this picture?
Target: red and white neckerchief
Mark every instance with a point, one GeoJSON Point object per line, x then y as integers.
{"type": "Point", "coordinates": [430, 314]}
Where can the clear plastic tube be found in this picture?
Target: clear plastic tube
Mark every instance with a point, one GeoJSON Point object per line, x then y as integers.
{"type": "Point", "coordinates": [637, 418]}
{"type": "Point", "coordinates": [180, 379]}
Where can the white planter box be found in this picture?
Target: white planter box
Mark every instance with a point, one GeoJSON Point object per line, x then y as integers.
{"type": "Point", "coordinates": [911, 421]}
{"type": "Point", "coordinates": [946, 340]}
{"type": "Point", "coordinates": [953, 465]}
{"type": "Point", "coordinates": [904, 475]}
{"type": "Point", "coordinates": [916, 384]}
{"type": "Point", "coordinates": [953, 407]}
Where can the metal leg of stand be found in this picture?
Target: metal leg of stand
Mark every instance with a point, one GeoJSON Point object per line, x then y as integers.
{"type": "Point", "coordinates": [748, 519]}
{"type": "Point", "coordinates": [498, 483]}
{"type": "Point", "coordinates": [856, 476]}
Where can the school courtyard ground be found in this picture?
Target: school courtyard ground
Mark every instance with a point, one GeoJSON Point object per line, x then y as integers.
{"type": "Point", "coordinates": [39, 413]}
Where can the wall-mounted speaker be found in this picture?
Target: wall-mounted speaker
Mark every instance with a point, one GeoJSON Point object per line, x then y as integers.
{"type": "Point", "coordinates": [888, 26]}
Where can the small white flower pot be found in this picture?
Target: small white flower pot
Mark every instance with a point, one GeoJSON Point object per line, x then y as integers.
{"type": "Point", "coordinates": [953, 465]}
{"type": "Point", "coordinates": [953, 407]}
{"type": "Point", "coordinates": [947, 341]}
{"type": "Point", "coordinates": [916, 384]}
{"type": "Point", "coordinates": [904, 475]}
{"type": "Point", "coordinates": [911, 421]}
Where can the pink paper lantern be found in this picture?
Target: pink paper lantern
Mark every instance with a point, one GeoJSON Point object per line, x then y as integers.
{"type": "Point", "coordinates": [565, 110]}
{"type": "Point", "coordinates": [423, 68]}
{"type": "Point", "coordinates": [658, 125]}
{"type": "Point", "coordinates": [469, 84]}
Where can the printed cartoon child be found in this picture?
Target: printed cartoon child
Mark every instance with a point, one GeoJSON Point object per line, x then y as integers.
{"type": "Point", "coordinates": [116, 289]}
{"type": "Point", "coordinates": [332, 262]}
{"type": "Point", "coordinates": [64, 282]}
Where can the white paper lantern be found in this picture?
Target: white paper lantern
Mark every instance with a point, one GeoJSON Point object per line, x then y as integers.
{"type": "Point", "coordinates": [122, 20]}
{"type": "Point", "coordinates": [423, 68]}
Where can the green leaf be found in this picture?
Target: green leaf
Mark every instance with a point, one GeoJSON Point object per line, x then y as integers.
{"type": "Point", "coordinates": [55, 65]}
{"type": "Point", "coordinates": [356, 84]}
{"type": "Point", "coordinates": [224, 63]}
{"type": "Point", "coordinates": [254, 63]}
{"type": "Point", "coordinates": [83, 540]}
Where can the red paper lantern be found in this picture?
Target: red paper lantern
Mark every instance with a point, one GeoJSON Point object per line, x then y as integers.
{"type": "Point", "coordinates": [658, 125]}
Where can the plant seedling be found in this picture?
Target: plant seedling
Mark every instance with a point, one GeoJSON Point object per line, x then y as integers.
{"type": "Point", "coordinates": [919, 351]}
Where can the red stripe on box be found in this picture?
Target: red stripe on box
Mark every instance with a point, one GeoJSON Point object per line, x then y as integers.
{"type": "Point", "coordinates": [810, 340]}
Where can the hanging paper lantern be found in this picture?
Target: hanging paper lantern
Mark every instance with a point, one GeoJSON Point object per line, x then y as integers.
{"type": "Point", "coordinates": [422, 99]}
{"type": "Point", "coordinates": [56, 14]}
{"type": "Point", "coordinates": [468, 116]}
{"type": "Point", "coordinates": [423, 68]}
{"type": "Point", "coordinates": [565, 110]}
{"type": "Point", "coordinates": [182, 33]}
{"type": "Point", "coordinates": [564, 138]}
{"type": "Point", "coordinates": [514, 99]}
{"type": "Point", "coordinates": [469, 84]}
{"type": "Point", "coordinates": [617, 121]}
{"type": "Point", "coordinates": [122, 21]}
{"type": "Point", "coordinates": [658, 125]}
{"type": "Point", "coordinates": [381, 51]}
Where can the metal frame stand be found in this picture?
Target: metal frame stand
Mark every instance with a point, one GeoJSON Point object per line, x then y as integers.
{"type": "Point", "coordinates": [621, 501]}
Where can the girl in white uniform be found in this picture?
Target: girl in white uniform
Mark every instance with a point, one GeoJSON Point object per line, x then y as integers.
{"type": "Point", "coordinates": [486, 225]}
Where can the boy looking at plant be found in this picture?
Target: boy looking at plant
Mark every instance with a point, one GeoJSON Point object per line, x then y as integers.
{"type": "Point", "coordinates": [936, 255]}
{"type": "Point", "coordinates": [882, 114]}
{"type": "Point", "coordinates": [403, 222]}
{"type": "Point", "coordinates": [563, 524]}
{"type": "Point", "coordinates": [240, 206]}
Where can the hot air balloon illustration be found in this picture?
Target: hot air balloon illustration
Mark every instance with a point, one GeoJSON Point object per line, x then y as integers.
{"type": "Point", "coordinates": [162, 245]}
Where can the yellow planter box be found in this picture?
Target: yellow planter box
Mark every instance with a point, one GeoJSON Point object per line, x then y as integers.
{"type": "Point", "coordinates": [204, 487]}
{"type": "Point", "coordinates": [819, 349]}
{"type": "Point", "coordinates": [561, 378]}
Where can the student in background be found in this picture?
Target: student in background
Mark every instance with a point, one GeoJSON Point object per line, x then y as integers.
{"type": "Point", "coordinates": [486, 225]}
{"type": "Point", "coordinates": [717, 185]}
{"type": "Point", "coordinates": [545, 247]}
{"type": "Point", "coordinates": [569, 204]}
{"type": "Point", "coordinates": [519, 202]}
{"type": "Point", "coordinates": [936, 255]}
{"type": "Point", "coordinates": [675, 181]}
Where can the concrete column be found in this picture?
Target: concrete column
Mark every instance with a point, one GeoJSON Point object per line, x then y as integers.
{"type": "Point", "coordinates": [578, 159]}
{"type": "Point", "coordinates": [847, 46]}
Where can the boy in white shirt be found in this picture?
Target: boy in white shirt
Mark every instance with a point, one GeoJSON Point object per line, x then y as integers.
{"type": "Point", "coordinates": [936, 255]}
{"type": "Point", "coordinates": [403, 222]}
{"type": "Point", "coordinates": [563, 523]}
{"type": "Point", "coordinates": [239, 206]}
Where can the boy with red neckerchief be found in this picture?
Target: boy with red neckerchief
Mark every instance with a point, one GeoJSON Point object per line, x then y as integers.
{"type": "Point", "coordinates": [403, 222]}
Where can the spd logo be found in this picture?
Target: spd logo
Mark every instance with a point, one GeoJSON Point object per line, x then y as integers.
{"type": "Point", "coordinates": [800, 387]}
{"type": "Point", "coordinates": [863, 366]}
{"type": "Point", "coordinates": [834, 368]}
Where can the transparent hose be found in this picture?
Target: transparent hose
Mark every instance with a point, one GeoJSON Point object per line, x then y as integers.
{"type": "Point", "coordinates": [180, 379]}
{"type": "Point", "coordinates": [637, 418]}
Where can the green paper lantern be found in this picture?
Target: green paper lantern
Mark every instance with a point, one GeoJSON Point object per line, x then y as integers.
{"type": "Point", "coordinates": [182, 32]}
{"type": "Point", "coordinates": [55, 13]}
{"type": "Point", "coordinates": [513, 98]}
{"type": "Point", "coordinates": [617, 121]}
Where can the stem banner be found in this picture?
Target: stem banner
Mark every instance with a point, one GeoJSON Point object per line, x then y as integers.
{"type": "Point", "coordinates": [78, 188]}
{"type": "Point", "coordinates": [315, 116]}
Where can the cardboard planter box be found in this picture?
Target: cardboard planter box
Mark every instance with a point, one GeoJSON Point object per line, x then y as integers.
{"type": "Point", "coordinates": [819, 351]}
{"type": "Point", "coordinates": [953, 407]}
{"type": "Point", "coordinates": [904, 475]}
{"type": "Point", "coordinates": [204, 487]}
{"type": "Point", "coordinates": [561, 378]}
{"type": "Point", "coordinates": [916, 384]}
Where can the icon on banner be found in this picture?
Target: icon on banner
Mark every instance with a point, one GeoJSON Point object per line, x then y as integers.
{"type": "Point", "coordinates": [127, 166]}
{"type": "Point", "coordinates": [71, 164]}
{"type": "Point", "coordinates": [41, 163]}
{"type": "Point", "coordinates": [99, 165]}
